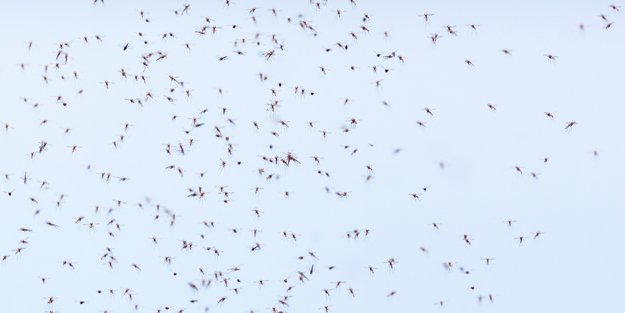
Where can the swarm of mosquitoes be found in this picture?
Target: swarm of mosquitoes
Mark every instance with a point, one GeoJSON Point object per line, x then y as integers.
{"type": "Point", "coordinates": [152, 183]}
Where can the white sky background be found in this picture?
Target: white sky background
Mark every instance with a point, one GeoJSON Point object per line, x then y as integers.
{"type": "Point", "coordinates": [577, 200]}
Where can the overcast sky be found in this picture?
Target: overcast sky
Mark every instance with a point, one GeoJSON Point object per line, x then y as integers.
{"type": "Point", "coordinates": [422, 124]}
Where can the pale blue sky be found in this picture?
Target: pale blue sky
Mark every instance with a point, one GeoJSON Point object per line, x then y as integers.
{"type": "Point", "coordinates": [577, 199]}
